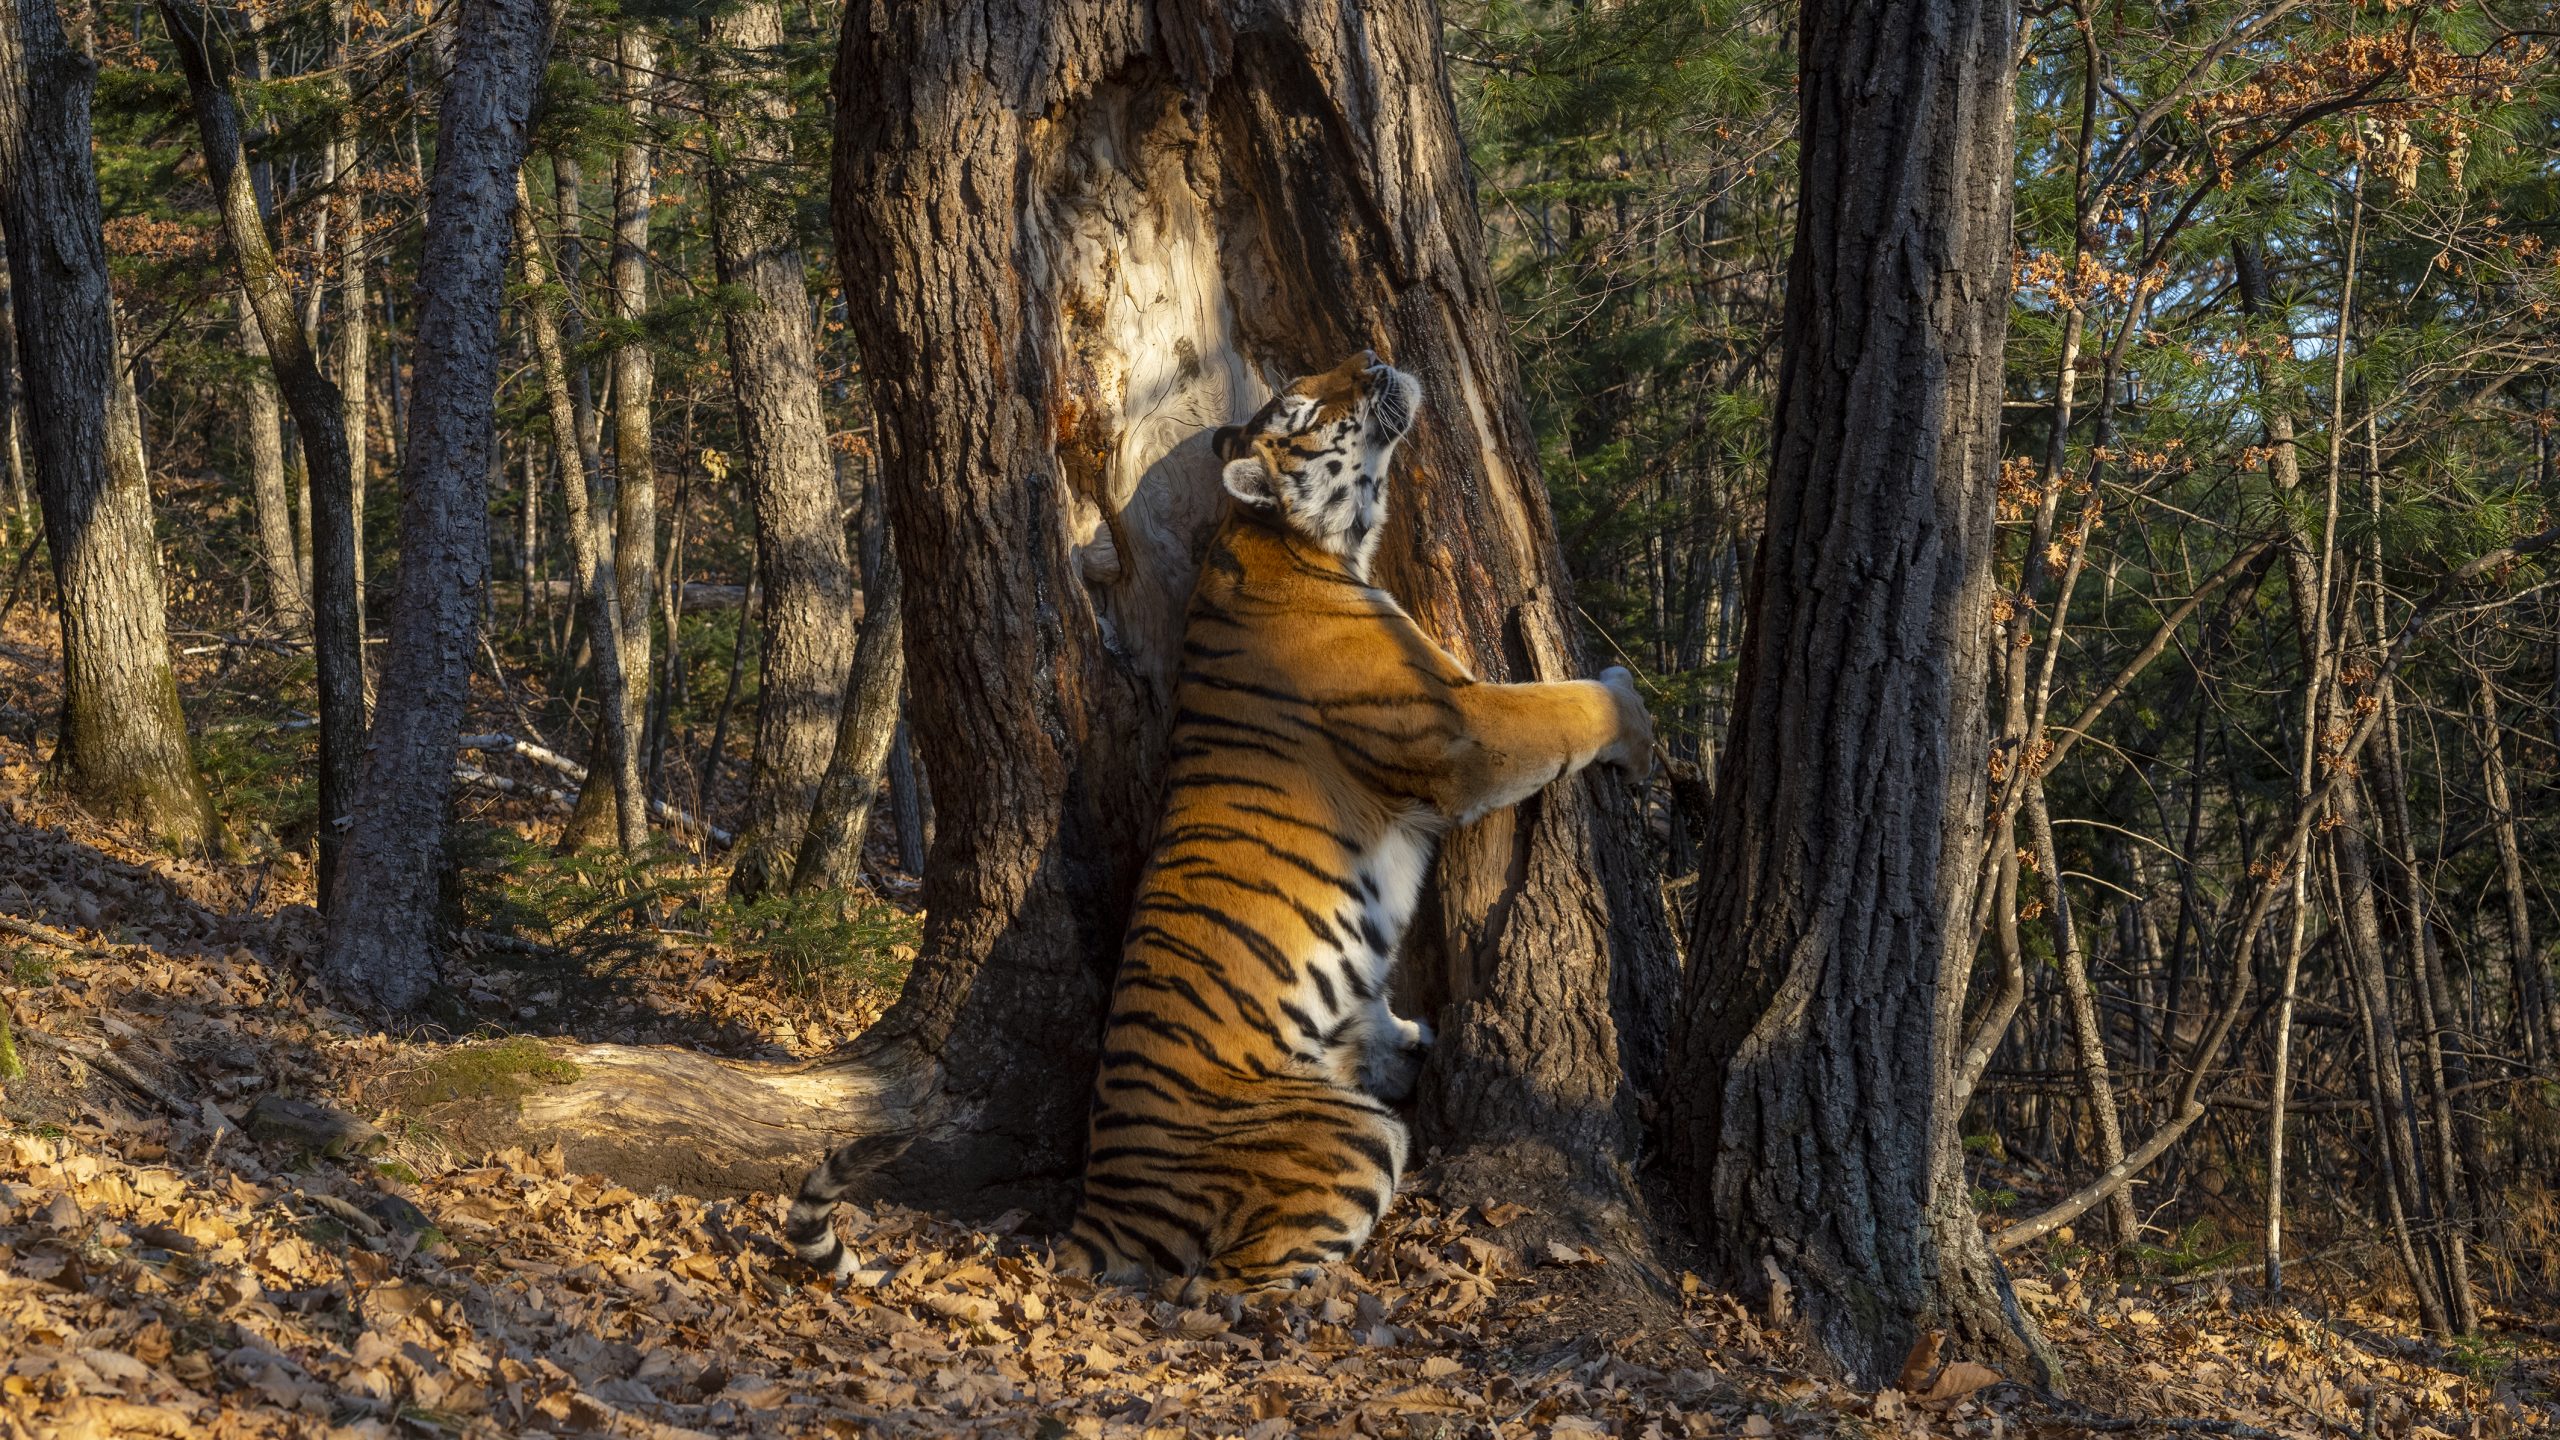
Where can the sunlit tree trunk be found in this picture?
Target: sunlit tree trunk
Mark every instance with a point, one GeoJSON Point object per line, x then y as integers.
{"type": "Point", "coordinates": [124, 748]}
{"type": "Point", "coordinates": [800, 524]}
{"type": "Point", "coordinates": [635, 464]}
{"type": "Point", "coordinates": [589, 517]}
{"type": "Point", "coordinates": [355, 319]}
{"type": "Point", "coordinates": [831, 850]}
{"type": "Point", "coordinates": [263, 418]}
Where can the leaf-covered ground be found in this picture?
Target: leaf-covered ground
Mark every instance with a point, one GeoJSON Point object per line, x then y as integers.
{"type": "Point", "coordinates": [181, 1254]}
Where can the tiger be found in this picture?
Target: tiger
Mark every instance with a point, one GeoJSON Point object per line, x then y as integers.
{"type": "Point", "coordinates": [1243, 1133]}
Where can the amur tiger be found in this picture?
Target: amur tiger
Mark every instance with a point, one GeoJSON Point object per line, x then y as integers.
{"type": "Point", "coordinates": [1241, 1130]}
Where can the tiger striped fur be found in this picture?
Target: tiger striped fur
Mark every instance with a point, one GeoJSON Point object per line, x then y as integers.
{"type": "Point", "coordinates": [1241, 1129]}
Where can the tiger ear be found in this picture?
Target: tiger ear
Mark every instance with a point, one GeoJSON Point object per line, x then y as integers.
{"type": "Point", "coordinates": [1252, 482]}
{"type": "Point", "coordinates": [1227, 442]}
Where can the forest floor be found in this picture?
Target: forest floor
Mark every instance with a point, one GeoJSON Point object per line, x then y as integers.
{"type": "Point", "coordinates": [222, 1215]}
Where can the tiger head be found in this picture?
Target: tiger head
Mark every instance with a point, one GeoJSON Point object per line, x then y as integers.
{"type": "Point", "coordinates": [1314, 458]}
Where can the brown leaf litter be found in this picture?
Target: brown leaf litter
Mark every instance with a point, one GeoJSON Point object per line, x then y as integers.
{"type": "Point", "coordinates": [162, 1272]}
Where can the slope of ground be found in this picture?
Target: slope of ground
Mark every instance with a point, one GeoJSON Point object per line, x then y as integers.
{"type": "Point", "coordinates": [219, 1217]}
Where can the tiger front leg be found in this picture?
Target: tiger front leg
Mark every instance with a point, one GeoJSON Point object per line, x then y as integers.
{"type": "Point", "coordinates": [1519, 739]}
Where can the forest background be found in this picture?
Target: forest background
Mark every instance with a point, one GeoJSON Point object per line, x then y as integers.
{"type": "Point", "coordinates": [2279, 360]}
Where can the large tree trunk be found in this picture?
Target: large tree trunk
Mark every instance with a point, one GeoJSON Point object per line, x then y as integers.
{"type": "Point", "coordinates": [800, 525]}
{"type": "Point", "coordinates": [1194, 219]}
{"type": "Point", "coordinates": [383, 950]}
{"type": "Point", "coordinates": [1812, 1118]}
{"type": "Point", "coordinates": [1075, 236]}
{"type": "Point", "coordinates": [124, 742]}
{"type": "Point", "coordinates": [337, 622]}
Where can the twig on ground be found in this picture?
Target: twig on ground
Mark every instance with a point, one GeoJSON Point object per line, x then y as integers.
{"type": "Point", "coordinates": [113, 1068]}
{"type": "Point", "coordinates": [44, 934]}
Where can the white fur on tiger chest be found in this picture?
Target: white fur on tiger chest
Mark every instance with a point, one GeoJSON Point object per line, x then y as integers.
{"type": "Point", "coordinates": [1348, 981]}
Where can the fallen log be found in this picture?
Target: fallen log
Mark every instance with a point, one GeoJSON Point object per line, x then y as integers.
{"type": "Point", "coordinates": [698, 595]}
{"type": "Point", "coordinates": [553, 759]}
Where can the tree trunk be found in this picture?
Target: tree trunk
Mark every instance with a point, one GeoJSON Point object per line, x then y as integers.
{"type": "Point", "coordinates": [268, 497]}
{"type": "Point", "coordinates": [588, 493]}
{"type": "Point", "coordinates": [800, 527]}
{"type": "Point", "coordinates": [906, 796]}
{"type": "Point", "coordinates": [2088, 1037]}
{"type": "Point", "coordinates": [635, 464]}
{"type": "Point", "coordinates": [1811, 1121]}
{"type": "Point", "coordinates": [124, 741]}
{"type": "Point", "coordinates": [2524, 963]}
{"type": "Point", "coordinates": [383, 950]}
{"type": "Point", "coordinates": [13, 411]}
{"type": "Point", "coordinates": [337, 622]}
{"type": "Point", "coordinates": [831, 851]}
{"type": "Point", "coordinates": [355, 335]}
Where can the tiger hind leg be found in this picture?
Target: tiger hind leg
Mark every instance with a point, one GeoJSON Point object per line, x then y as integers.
{"type": "Point", "coordinates": [1322, 1215]}
{"type": "Point", "coordinates": [1088, 1249]}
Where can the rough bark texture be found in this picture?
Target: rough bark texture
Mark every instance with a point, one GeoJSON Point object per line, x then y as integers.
{"type": "Point", "coordinates": [1812, 1121]}
{"type": "Point", "coordinates": [800, 529]}
{"type": "Point", "coordinates": [124, 742]}
{"type": "Point", "coordinates": [383, 950]}
{"type": "Point", "coordinates": [337, 619]}
{"type": "Point", "coordinates": [831, 851]}
{"type": "Point", "coordinates": [355, 332]}
{"type": "Point", "coordinates": [634, 375]}
{"type": "Point", "coordinates": [263, 415]}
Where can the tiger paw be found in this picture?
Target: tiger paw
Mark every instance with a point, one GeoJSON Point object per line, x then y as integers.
{"type": "Point", "coordinates": [1633, 749]}
{"type": "Point", "coordinates": [1394, 1060]}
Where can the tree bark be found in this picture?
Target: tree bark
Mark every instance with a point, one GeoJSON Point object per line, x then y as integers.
{"type": "Point", "coordinates": [355, 334]}
{"type": "Point", "coordinates": [383, 950]}
{"type": "Point", "coordinates": [2088, 1037]}
{"type": "Point", "coordinates": [267, 493]}
{"type": "Point", "coordinates": [800, 527]}
{"type": "Point", "coordinates": [831, 851]}
{"type": "Point", "coordinates": [337, 622]}
{"type": "Point", "coordinates": [634, 375]}
{"type": "Point", "coordinates": [13, 410]}
{"type": "Point", "coordinates": [1811, 1122]}
{"type": "Point", "coordinates": [2524, 963]}
{"type": "Point", "coordinates": [588, 493]}
{"type": "Point", "coordinates": [124, 740]}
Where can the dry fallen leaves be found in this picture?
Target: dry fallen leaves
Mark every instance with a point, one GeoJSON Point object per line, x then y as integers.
{"type": "Point", "coordinates": [158, 1277]}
